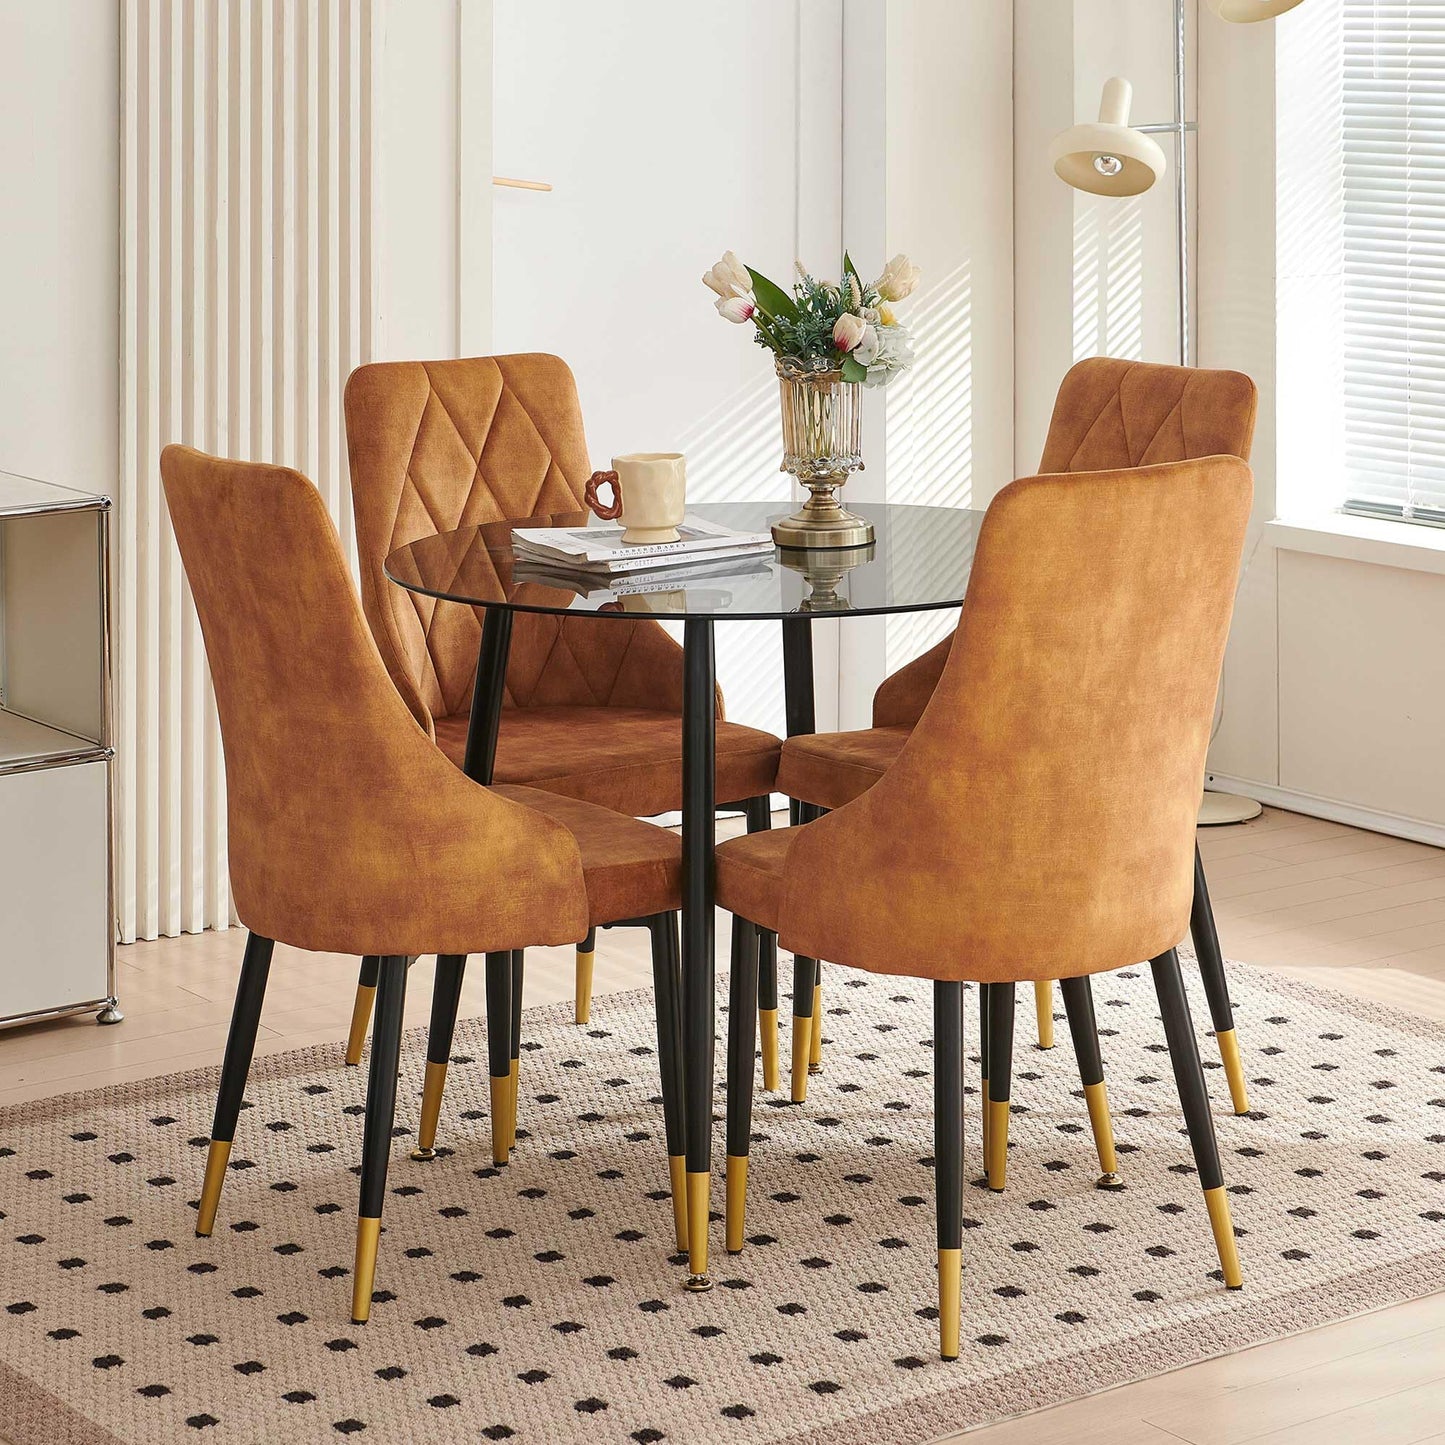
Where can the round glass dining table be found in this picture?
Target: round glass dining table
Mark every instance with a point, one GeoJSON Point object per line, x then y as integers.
{"type": "Point", "coordinates": [919, 560]}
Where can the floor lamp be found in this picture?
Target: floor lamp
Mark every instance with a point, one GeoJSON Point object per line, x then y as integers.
{"type": "Point", "coordinates": [1109, 157]}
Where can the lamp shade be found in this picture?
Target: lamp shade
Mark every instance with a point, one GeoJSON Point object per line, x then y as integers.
{"type": "Point", "coordinates": [1106, 157]}
{"type": "Point", "coordinates": [1244, 12]}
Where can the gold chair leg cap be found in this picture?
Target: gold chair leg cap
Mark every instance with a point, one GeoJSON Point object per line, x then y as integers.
{"type": "Point", "coordinates": [768, 1028]}
{"type": "Point", "coordinates": [1096, 1097]}
{"type": "Point", "coordinates": [1110, 1182]}
{"type": "Point", "coordinates": [368, 1236]}
{"type": "Point", "coordinates": [1217, 1202]}
{"type": "Point", "coordinates": [1233, 1070]}
{"type": "Point", "coordinates": [997, 1110]}
{"type": "Point", "coordinates": [950, 1289]}
{"type": "Point", "coordinates": [422, 1156]}
{"type": "Point", "coordinates": [500, 1088]}
{"type": "Point", "coordinates": [360, 1022]}
{"type": "Point", "coordinates": [1044, 1012]}
{"type": "Point", "coordinates": [802, 1043]}
{"type": "Point", "coordinates": [217, 1157]}
{"type": "Point", "coordinates": [737, 1202]}
{"type": "Point", "coordinates": [582, 1012]}
{"type": "Point", "coordinates": [431, 1108]}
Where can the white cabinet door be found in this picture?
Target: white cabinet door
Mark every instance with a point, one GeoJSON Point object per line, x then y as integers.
{"type": "Point", "coordinates": [55, 924]}
{"type": "Point", "coordinates": [670, 134]}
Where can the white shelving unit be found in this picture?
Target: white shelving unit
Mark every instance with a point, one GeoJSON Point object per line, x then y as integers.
{"type": "Point", "coordinates": [57, 906]}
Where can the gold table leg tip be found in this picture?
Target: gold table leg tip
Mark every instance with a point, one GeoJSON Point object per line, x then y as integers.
{"type": "Point", "coordinates": [699, 1201]}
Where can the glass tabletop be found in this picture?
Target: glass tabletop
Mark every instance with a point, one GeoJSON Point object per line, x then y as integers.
{"type": "Point", "coordinates": [920, 560]}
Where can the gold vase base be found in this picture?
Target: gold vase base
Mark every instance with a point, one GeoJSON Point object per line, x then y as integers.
{"type": "Point", "coordinates": [822, 521]}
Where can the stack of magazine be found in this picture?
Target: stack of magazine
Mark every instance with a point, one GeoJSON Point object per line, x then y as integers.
{"type": "Point", "coordinates": [592, 558]}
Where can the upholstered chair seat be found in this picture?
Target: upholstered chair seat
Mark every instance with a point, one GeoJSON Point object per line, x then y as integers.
{"type": "Point", "coordinates": [593, 706]}
{"type": "Point", "coordinates": [351, 832]}
{"type": "Point", "coordinates": [1109, 414]}
{"type": "Point", "coordinates": [1039, 820]}
{"type": "Point", "coordinates": [625, 758]}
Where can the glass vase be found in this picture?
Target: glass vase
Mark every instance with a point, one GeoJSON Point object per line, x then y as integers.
{"type": "Point", "coordinates": [822, 443]}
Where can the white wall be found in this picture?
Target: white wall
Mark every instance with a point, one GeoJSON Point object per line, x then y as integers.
{"type": "Point", "coordinates": [670, 134]}
{"type": "Point", "coordinates": [59, 256]}
{"type": "Point", "coordinates": [1332, 702]}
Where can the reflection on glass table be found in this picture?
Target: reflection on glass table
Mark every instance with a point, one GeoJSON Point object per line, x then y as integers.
{"type": "Point", "coordinates": [920, 560]}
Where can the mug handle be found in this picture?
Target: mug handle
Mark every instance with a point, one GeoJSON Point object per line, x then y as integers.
{"type": "Point", "coordinates": [613, 509]}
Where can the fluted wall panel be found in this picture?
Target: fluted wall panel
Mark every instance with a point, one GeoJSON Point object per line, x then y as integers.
{"type": "Point", "coordinates": [249, 293]}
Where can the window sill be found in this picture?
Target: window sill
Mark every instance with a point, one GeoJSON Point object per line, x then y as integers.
{"type": "Point", "coordinates": [1362, 539]}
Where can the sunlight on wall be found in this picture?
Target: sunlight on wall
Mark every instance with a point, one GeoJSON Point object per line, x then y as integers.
{"type": "Point", "coordinates": [1108, 277]}
{"type": "Point", "coordinates": [930, 429]}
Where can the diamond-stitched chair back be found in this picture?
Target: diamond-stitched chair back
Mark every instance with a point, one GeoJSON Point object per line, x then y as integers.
{"type": "Point", "coordinates": [439, 445]}
{"type": "Point", "coordinates": [1112, 413]}
{"type": "Point", "coordinates": [1109, 414]}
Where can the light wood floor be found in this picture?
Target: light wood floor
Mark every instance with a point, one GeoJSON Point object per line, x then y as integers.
{"type": "Point", "coordinates": [1357, 910]}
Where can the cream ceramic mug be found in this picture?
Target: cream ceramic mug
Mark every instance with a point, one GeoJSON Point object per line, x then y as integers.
{"type": "Point", "coordinates": [648, 493]}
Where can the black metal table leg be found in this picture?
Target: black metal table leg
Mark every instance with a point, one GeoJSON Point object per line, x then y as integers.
{"type": "Point", "coordinates": [801, 717]}
{"type": "Point", "coordinates": [481, 753]}
{"type": "Point", "coordinates": [699, 740]}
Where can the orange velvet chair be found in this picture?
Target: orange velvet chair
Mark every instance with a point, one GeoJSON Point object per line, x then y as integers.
{"type": "Point", "coordinates": [1108, 414]}
{"type": "Point", "coordinates": [593, 708]}
{"type": "Point", "coordinates": [351, 832]}
{"type": "Point", "coordinates": [1039, 820]}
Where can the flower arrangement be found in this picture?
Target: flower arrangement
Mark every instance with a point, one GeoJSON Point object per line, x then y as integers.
{"type": "Point", "coordinates": [846, 327]}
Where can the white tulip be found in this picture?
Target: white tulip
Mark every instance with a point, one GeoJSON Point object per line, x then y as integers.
{"type": "Point", "coordinates": [736, 308]}
{"type": "Point", "coordinates": [729, 277]}
{"type": "Point", "coordinates": [866, 351]}
{"type": "Point", "coordinates": [899, 278]}
{"type": "Point", "coordinates": [848, 331]}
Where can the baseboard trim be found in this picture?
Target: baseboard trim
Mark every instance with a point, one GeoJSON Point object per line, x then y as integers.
{"type": "Point", "coordinates": [1393, 825]}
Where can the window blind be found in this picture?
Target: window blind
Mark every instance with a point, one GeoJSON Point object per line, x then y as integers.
{"type": "Point", "coordinates": [1394, 258]}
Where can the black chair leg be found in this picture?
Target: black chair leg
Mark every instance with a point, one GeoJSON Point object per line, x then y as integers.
{"type": "Point", "coordinates": [361, 1008]}
{"type": "Point", "coordinates": [760, 819]}
{"type": "Point", "coordinates": [514, 1067]}
{"type": "Point", "coordinates": [1000, 1069]}
{"type": "Point", "coordinates": [1194, 1096]}
{"type": "Point", "coordinates": [1216, 986]}
{"type": "Point", "coordinates": [499, 1050]}
{"type": "Point", "coordinates": [586, 955]}
{"type": "Point", "coordinates": [948, 1157]}
{"type": "Point", "coordinates": [445, 1001]}
{"type": "Point", "coordinates": [1083, 1028]}
{"type": "Point", "coordinates": [666, 1001]}
{"type": "Point", "coordinates": [376, 1136]}
{"type": "Point", "coordinates": [240, 1045]}
{"type": "Point", "coordinates": [742, 1037]}
{"type": "Point", "coordinates": [805, 996]}
{"type": "Point", "coordinates": [768, 1008]}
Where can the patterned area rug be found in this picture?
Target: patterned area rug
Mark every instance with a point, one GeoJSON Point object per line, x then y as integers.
{"type": "Point", "coordinates": [537, 1303]}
